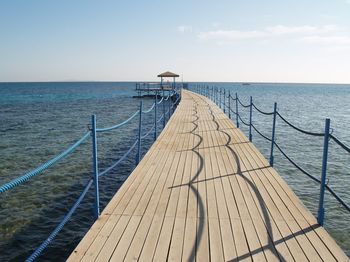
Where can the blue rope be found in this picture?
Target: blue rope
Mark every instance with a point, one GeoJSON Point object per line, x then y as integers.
{"type": "Point", "coordinates": [233, 111]}
{"type": "Point", "coordinates": [330, 190]}
{"type": "Point", "coordinates": [295, 164]}
{"type": "Point", "coordinates": [262, 112]}
{"type": "Point", "coordinates": [341, 201]}
{"type": "Point", "coordinates": [261, 134]}
{"type": "Point", "coordinates": [336, 140]}
{"type": "Point", "coordinates": [160, 119]}
{"type": "Point", "coordinates": [19, 180]}
{"type": "Point", "coordinates": [242, 120]}
{"type": "Point", "coordinates": [242, 103]}
{"type": "Point", "coordinates": [173, 105]}
{"type": "Point", "coordinates": [46, 165]}
{"type": "Point", "coordinates": [118, 125]}
{"type": "Point", "coordinates": [298, 129]}
{"type": "Point", "coordinates": [149, 110]}
{"type": "Point", "coordinates": [144, 136]}
{"type": "Point", "coordinates": [160, 101]}
{"type": "Point", "coordinates": [59, 227]}
{"type": "Point", "coordinates": [234, 99]}
{"type": "Point", "coordinates": [120, 160]}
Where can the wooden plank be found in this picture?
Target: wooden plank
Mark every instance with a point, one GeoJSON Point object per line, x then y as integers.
{"type": "Point", "coordinates": [205, 195]}
{"type": "Point", "coordinates": [313, 243]}
{"type": "Point", "coordinates": [101, 238]}
{"type": "Point", "coordinates": [265, 209]}
{"type": "Point", "coordinates": [309, 249]}
{"type": "Point", "coordinates": [108, 248]}
{"type": "Point", "coordinates": [161, 198]}
{"type": "Point", "coordinates": [249, 209]}
{"type": "Point", "coordinates": [124, 243]}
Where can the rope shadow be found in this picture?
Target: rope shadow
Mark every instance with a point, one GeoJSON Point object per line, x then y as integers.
{"type": "Point", "coordinates": [200, 228]}
{"type": "Point", "coordinates": [277, 242]}
{"type": "Point", "coordinates": [218, 146]}
{"type": "Point", "coordinates": [266, 216]}
{"type": "Point", "coordinates": [221, 176]}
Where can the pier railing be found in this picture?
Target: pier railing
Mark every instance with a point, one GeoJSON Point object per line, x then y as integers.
{"type": "Point", "coordinates": [224, 99]}
{"type": "Point", "coordinates": [162, 88]}
{"type": "Point", "coordinates": [159, 105]}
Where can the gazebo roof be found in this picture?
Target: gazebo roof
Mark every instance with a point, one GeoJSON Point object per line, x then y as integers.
{"type": "Point", "coordinates": [168, 74]}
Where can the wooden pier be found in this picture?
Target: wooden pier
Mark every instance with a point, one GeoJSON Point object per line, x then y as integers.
{"type": "Point", "coordinates": [203, 192]}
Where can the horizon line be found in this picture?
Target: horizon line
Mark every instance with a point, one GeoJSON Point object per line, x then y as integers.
{"type": "Point", "coordinates": [136, 81]}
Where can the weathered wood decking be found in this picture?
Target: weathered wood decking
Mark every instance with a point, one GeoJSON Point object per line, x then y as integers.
{"type": "Point", "coordinates": [204, 192]}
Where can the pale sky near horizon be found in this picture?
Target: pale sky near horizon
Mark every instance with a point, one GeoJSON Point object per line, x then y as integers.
{"type": "Point", "coordinates": [223, 40]}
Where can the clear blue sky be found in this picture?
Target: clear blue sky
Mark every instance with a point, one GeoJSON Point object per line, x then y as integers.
{"type": "Point", "coordinates": [242, 40]}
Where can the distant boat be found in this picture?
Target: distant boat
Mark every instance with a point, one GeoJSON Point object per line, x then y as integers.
{"type": "Point", "coordinates": [245, 84]}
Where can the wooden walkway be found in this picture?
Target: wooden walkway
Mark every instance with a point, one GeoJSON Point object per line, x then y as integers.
{"type": "Point", "coordinates": [203, 192]}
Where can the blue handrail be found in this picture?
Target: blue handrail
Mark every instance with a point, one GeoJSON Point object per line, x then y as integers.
{"type": "Point", "coordinates": [148, 110]}
{"type": "Point", "coordinates": [119, 160]}
{"type": "Point", "coordinates": [118, 125]}
{"type": "Point", "coordinates": [59, 227]}
{"type": "Point", "coordinates": [213, 95]}
{"type": "Point", "coordinates": [19, 180]}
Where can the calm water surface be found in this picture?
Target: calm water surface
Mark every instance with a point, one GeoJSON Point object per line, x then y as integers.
{"type": "Point", "coordinates": [39, 120]}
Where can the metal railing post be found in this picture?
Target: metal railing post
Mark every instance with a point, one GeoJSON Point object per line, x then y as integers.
{"type": "Point", "coordinates": [273, 133]}
{"type": "Point", "coordinates": [250, 119]}
{"type": "Point", "coordinates": [224, 100]}
{"type": "Point", "coordinates": [229, 104]}
{"type": "Point", "coordinates": [237, 122]}
{"type": "Point", "coordinates": [214, 95]}
{"type": "Point", "coordinates": [163, 102]}
{"type": "Point", "coordinates": [138, 156]}
{"type": "Point", "coordinates": [155, 116]}
{"type": "Point", "coordinates": [320, 217]}
{"type": "Point", "coordinates": [95, 167]}
{"type": "Point", "coordinates": [169, 107]}
{"type": "Point", "coordinates": [220, 98]}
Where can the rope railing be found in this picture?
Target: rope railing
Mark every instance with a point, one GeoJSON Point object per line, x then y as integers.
{"type": "Point", "coordinates": [241, 103]}
{"type": "Point", "coordinates": [160, 101]}
{"type": "Point", "coordinates": [119, 160]}
{"type": "Point", "coordinates": [160, 119]}
{"type": "Point", "coordinates": [295, 164]}
{"type": "Point", "coordinates": [150, 109]}
{"type": "Point", "coordinates": [246, 124]}
{"type": "Point", "coordinates": [149, 132]}
{"type": "Point", "coordinates": [261, 134]}
{"type": "Point", "coordinates": [341, 144]}
{"type": "Point", "coordinates": [262, 112]}
{"type": "Point", "coordinates": [19, 180]}
{"type": "Point", "coordinates": [215, 94]}
{"type": "Point", "coordinates": [234, 112]}
{"type": "Point", "coordinates": [59, 227]}
{"type": "Point", "coordinates": [95, 180]}
{"type": "Point", "coordinates": [118, 125]}
{"type": "Point", "coordinates": [299, 129]}
{"type": "Point", "coordinates": [232, 98]}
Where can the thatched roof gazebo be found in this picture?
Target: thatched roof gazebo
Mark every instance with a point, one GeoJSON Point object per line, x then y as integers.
{"type": "Point", "coordinates": [167, 74]}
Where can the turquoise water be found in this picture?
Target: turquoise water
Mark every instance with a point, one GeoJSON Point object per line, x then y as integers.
{"type": "Point", "coordinates": [39, 120]}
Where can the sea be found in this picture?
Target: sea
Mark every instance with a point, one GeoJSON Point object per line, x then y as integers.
{"type": "Point", "coordinates": [40, 120]}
